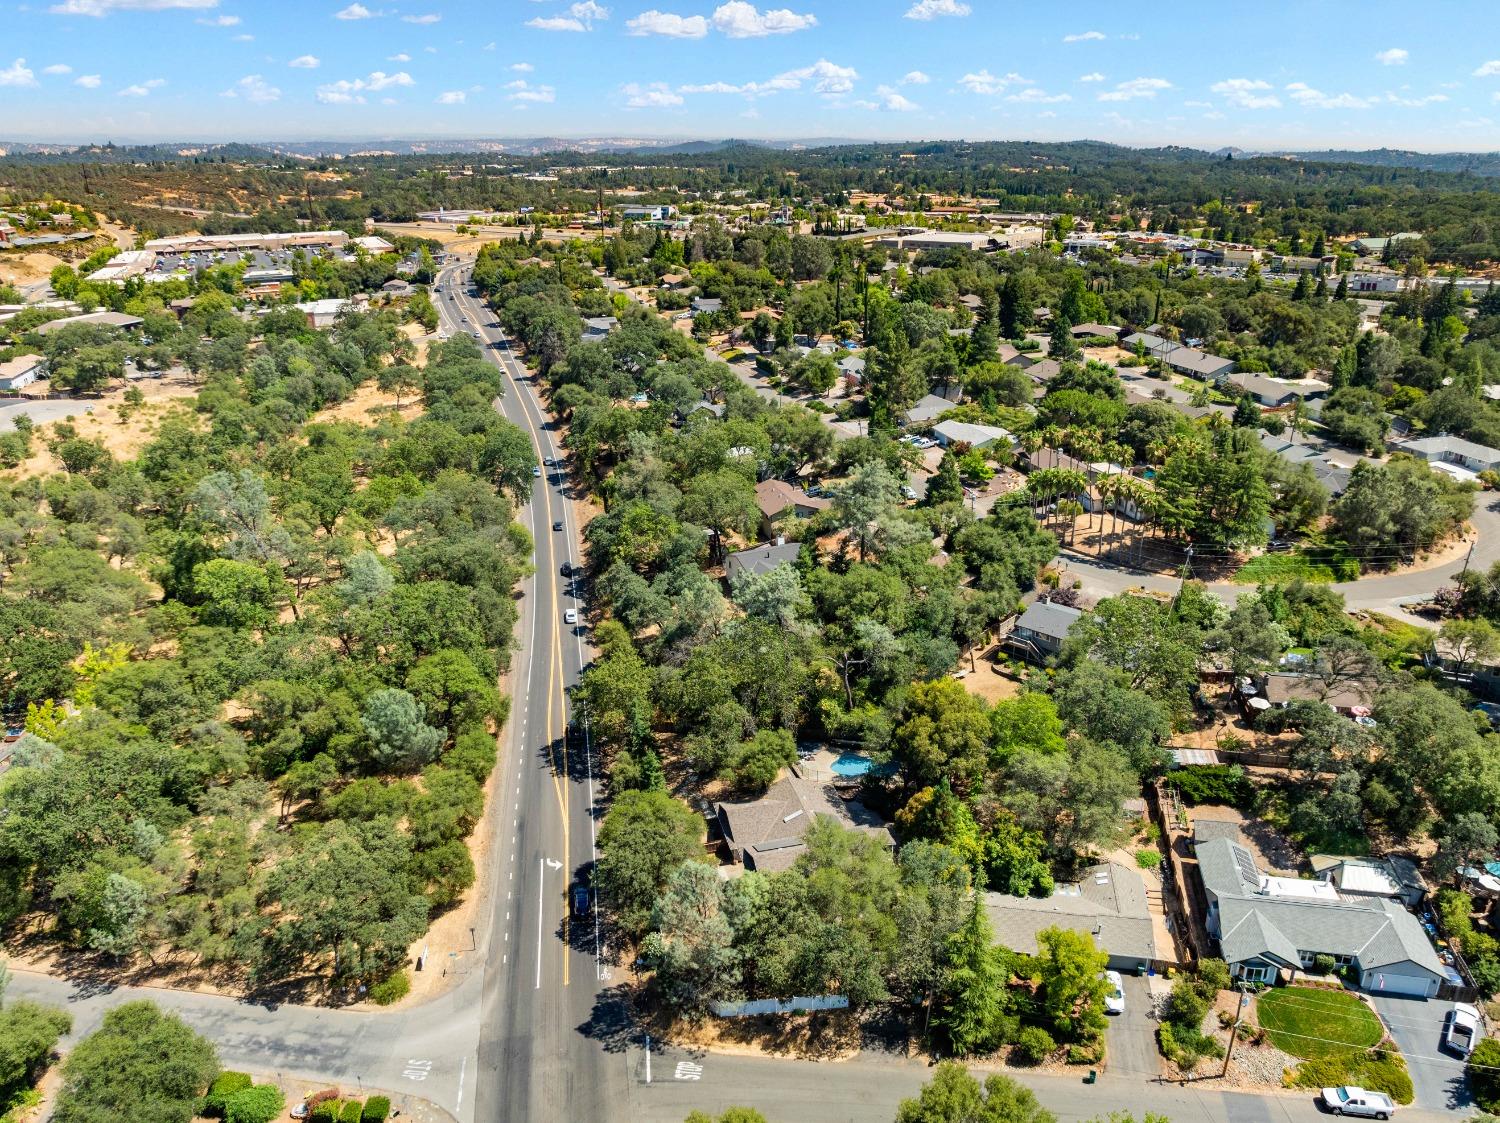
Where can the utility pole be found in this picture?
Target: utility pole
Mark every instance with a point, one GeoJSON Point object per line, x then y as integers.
{"type": "Point", "coordinates": [1467, 556]}
{"type": "Point", "coordinates": [1239, 1015]}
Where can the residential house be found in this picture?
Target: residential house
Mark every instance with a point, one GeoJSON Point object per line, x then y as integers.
{"type": "Point", "coordinates": [1331, 474]}
{"type": "Point", "coordinates": [1274, 393]}
{"type": "Point", "coordinates": [715, 408]}
{"type": "Point", "coordinates": [1281, 688]}
{"type": "Point", "coordinates": [1042, 628]}
{"type": "Point", "coordinates": [1444, 449]}
{"type": "Point", "coordinates": [596, 329]}
{"type": "Point", "coordinates": [1184, 360]}
{"type": "Point", "coordinates": [776, 498]}
{"type": "Point", "coordinates": [100, 319]}
{"type": "Point", "coordinates": [21, 371]}
{"type": "Point", "coordinates": [1268, 925]}
{"type": "Point", "coordinates": [760, 559]}
{"type": "Point", "coordinates": [951, 432]}
{"type": "Point", "coordinates": [1108, 902]}
{"type": "Point", "coordinates": [766, 834]}
{"type": "Point", "coordinates": [852, 369]}
{"type": "Point", "coordinates": [1393, 878]}
{"type": "Point", "coordinates": [929, 409]}
{"type": "Point", "coordinates": [323, 313]}
{"type": "Point", "coordinates": [707, 305]}
{"type": "Point", "coordinates": [1089, 331]}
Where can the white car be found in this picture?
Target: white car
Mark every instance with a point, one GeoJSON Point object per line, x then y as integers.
{"type": "Point", "coordinates": [535, 471]}
{"type": "Point", "coordinates": [1463, 1029]}
{"type": "Point", "coordinates": [1349, 1100]}
{"type": "Point", "coordinates": [1114, 1000]}
{"type": "Point", "coordinates": [570, 616]}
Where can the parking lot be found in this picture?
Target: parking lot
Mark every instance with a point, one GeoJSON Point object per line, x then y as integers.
{"type": "Point", "coordinates": [1437, 1076]}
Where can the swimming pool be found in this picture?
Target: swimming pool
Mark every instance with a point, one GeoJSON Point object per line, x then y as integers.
{"type": "Point", "coordinates": [851, 765]}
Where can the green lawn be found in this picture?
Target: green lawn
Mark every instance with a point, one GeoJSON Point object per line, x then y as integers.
{"type": "Point", "coordinates": [1311, 1023]}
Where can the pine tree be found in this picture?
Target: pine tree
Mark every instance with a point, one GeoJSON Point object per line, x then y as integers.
{"type": "Point", "coordinates": [945, 487]}
{"type": "Point", "coordinates": [972, 1012]}
{"type": "Point", "coordinates": [1062, 345]}
{"type": "Point", "coordinates": [1342, 292]}
{"type": "Point", "coordinates": [1015, 306]}
{"type": "Point", "coordinates": [1320, 293]}
{"type": "Point", "coordinates": [1303, 287]}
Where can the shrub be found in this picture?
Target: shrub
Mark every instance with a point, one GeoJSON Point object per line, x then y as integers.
{"type": "Point", "coordinates": [392, 988]}
{"type": "Point", "coordinates": [1484, 1074]}
{"type": "Point", "coordinates": [352, 1112]}
{"type": "Point", "coordinates": [376, 1109]}
{"type": "Point", "coordinates": [225, 1085]}
{"type": "Point", "coordinates": [1087, 1053]}
{"type": "Point", "coordinates": [1378, 1070]}
{"type": "Point", "coordinates": [322, 1097]}
{"type": "Point", "coordinates": [1148, 859]}
{"type": "Point", "coordinates": [1186, 1005]}
{"type": "Point", "coordinates": [1323, 964]}
{"type": "Point", "coordinates": [1185, 1046]}
{"type": "Point", "coordinates": [473, 752]}
{"type": "Point", "coordinates": [1213, 783]}
{"type": "Point", "coordinates": [324, 1113]}
{"type": "Point", "coordinates": [259, 1104]}
{"type": "Point", "coordinates": [1033, 1045]}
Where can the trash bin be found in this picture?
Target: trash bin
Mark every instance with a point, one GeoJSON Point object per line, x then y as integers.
{"type": "Point", "coordinates": [1092, 1076]}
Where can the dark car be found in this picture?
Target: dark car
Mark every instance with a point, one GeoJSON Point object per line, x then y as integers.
{"type": "Point", "coordinates": [566, 569]}
{"type": "Point", "coordinates": [557, 525]}
{"type": "Point", "coordinates": [580, 900]}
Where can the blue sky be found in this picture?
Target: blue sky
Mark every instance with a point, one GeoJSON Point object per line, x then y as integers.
{"type": "Point", "coordinates": [1314, 73]}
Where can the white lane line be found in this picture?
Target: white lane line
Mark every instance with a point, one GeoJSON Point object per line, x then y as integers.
{"type": "Point", "coordinates": [541, 874]}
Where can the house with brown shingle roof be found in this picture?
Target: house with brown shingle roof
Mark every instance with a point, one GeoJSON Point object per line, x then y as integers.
{"type": "Point", "coordinates": [766, 834]}
{"type": "Point", "coordinates": [777, 498]}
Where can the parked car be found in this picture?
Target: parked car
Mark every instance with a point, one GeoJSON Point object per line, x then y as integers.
{"type": "Point", "coordinates": [1114, 1000]}
{"type": "Point", "coordinates": [536, 472]}
{"type": "Point", "coordinates": [1462, 1029]}
{"type": "Point", "coordinates": [301, 1111]}
{"type": "Point", "coordinates": [1349, 1100]}
{"type": "Point", "coordinates": [580, 900]}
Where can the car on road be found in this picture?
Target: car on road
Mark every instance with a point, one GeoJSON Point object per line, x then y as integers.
{"type": "Point", "coordinates": [580, 900]}
{"type": "Point", "coordinates": [566, 569]}
{"type": "Point", "coordinates": [1114, 998]}
{"type": "Point", "coordinates": [537, 472]}
{"type": "Point", "coordinates": [1349, 1100]}
{"type": "Point", "coordinates": [570, 616]}
{"type": "Point", "coordinates": [908, 492]}
{"type": "Point", "coordinates": [557, 525]}
{"type": "Point", "coordinates": [1462, 1029]}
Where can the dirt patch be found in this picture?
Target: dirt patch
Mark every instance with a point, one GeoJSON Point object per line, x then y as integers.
{"type": "Point", "coordinates": [988, 679]}
{"type": "Point", "coordinates": [28, 268]}
{"type": "Point", "coordinates": [1274, 852]}
{"type": "Point", "coordinates": [835, 1035]}
{"type": "Point", "coordinates": [364, 406]}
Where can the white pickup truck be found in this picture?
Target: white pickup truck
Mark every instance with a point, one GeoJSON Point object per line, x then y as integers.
{"type": "Point", "coordinates": [1348, 1100]}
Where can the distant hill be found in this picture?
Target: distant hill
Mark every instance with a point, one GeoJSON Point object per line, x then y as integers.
{"type": "Point", "coordinates": [1473, 163]}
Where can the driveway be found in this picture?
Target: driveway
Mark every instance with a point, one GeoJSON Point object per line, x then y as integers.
{"type": "Point", "coordinates": [41, 411]}
{"type": "Point", "coordinates": [1130, 1038]}
{"type": "Point", "coordinates": [1437, 1075]}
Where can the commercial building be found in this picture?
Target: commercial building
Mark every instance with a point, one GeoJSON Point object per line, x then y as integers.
{"type": "Point", "coordinates": [217, 243]}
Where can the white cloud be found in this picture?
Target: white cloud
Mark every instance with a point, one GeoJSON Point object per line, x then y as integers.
{"type": "Point", "coordinates": [99, 8]}
{"type": "Point", "coordinates": [915, 78]}
{"type": "Point", "coordinates": [1415, 102]}
{"type": "Point", "coordinates": [1396, 56]}
{"type": "Point", "coordinates": [452, 97]}
{"type": "Point", "coordinates": [88, 81]}
{"type": "Point", "coordinates": [1488, 69]}
{"type": "Point", "coordinates": [355, 11]}
{"type": "Point", "coordinates": [1304, 94]}
{"type": "Point", "coordinates": [400, 57]}
{"type": "Point", "coordinates": [932, 9]}
{"type": "Point", "coordinates": [672, 26]}
{"type": "Point", "coordinates": [739, 20]}
{"type": "Point", "coordinates": [655, 95]}
{"type": "Point", "coordinates": [983, 82]}
{"type": "Point", "coordinates": [1136, 88]}
{"type": "Point", "coordinates": [1094, 77]}
{"type": "Point", "coordinates": [580, 17]}
{"type": "Point", "coordinates": [141, 89]}
{"type": "Point", "coordinates": [305, 62]}
{"type": "Point", "coordinates": [894, 102]}
{"type": "Point", "coordinates": [430, 17]}
{"type": "Point", "coordinates": [525, 92]}
{"type": "Point", "coordinates": [57, 68]}
{"type": "Point", "coordinates": [489, 46]}
{"type": "Point", "coordinates": [351, 92]}
{"type": "Point", "coordinates": [1247, 93]}
{"type": "Point", "coordinates": [1085, 37]}
{"type": "Point", "coordinates": [254, 88]}
{"type": "Point", "coordinates": [1033, 95]}
{"type": "Point", "coordinates": [243, 38]}
{"type": "Point", "coordinates": [221, 21]}
{"type": "Point", "coordinates": [830, 78]}
{"type": "Point", "coordinates": [522, 67]}
{"type": "Point", "coordinates": [17, 74]}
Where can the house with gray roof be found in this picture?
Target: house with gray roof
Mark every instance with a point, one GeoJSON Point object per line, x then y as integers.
{"type": "Point", "coordinates": [1184, 360]}
{"type": "Point", "coordinates": [1444, 449]}
{"type": "Point", "coordinates": [1089, 331]}
{"type": "Point", "coordinates": [760, 559]}
{"type": "Point", "coordinates": [978, 436]}
{"type": "Point", "coordinates": [1042, 628]}
{"type": "Point", "coordinates": [929, 409]}
{"type": "Point", "coordinates": [1108, 901]}
{"type": "Point", "coordinates": [766, 834]}
{"type": "Point", "coordinates": [1268, 925]}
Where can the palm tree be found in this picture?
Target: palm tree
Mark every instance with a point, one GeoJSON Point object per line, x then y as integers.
{"type": "Point", "coordinates": [1071, 509]}
{"type": "Point", "coordinates": [1108, 487]}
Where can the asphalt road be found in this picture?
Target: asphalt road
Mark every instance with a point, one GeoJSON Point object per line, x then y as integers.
{"type": "Point", "coordinates": [545, 1014]}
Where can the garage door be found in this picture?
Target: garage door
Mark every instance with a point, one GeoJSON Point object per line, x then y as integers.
{"type": "Point", "coordinates": [1386, 983]}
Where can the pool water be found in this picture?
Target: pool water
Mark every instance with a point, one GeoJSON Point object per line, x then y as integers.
{"type": "Point", "coordinates": [852, 765]}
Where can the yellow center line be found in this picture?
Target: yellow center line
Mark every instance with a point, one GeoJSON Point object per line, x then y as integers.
{"type": "Point", "coordinates": [555, 701]}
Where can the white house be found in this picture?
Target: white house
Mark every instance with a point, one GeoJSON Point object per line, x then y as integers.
{"type": "Point", "coordinates": [21, 371]}
{"type": "Point", "coordinates": [979, 436]}
{"type": "Point", "coordinates": [1444, 449]}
